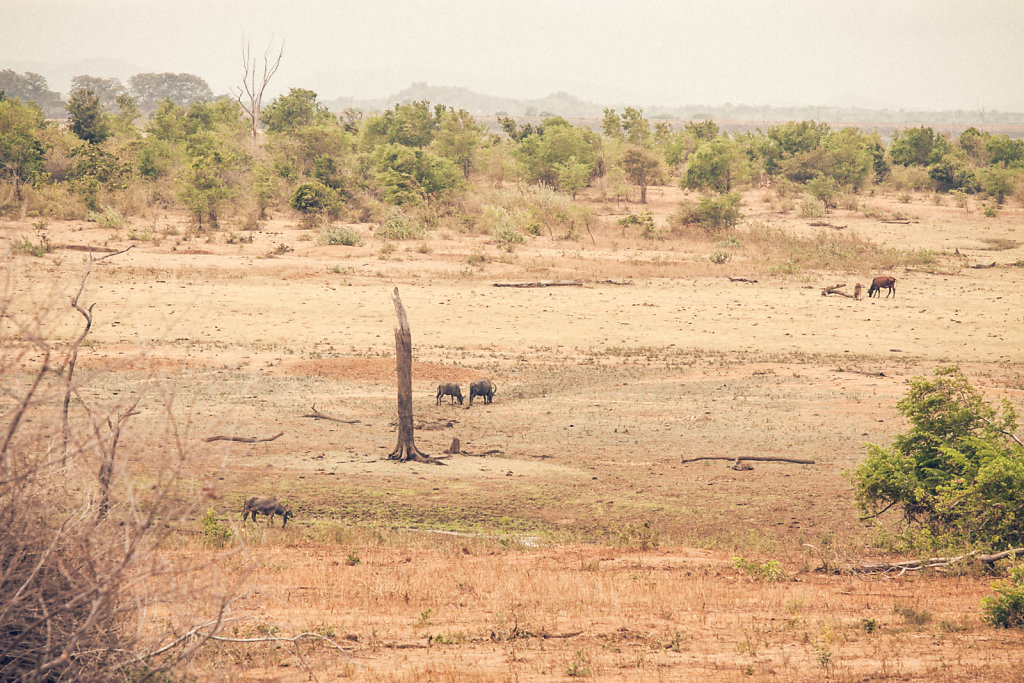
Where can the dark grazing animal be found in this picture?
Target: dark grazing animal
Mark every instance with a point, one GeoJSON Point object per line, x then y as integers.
{"type": "Point", "coordinates": [482, 387]}
{"type": "Point", "coordinates": [269, 506]}
{"type": "Point", "coordinates": [882, 282]}
{"type": "Point", "coordinates": [449, 389]}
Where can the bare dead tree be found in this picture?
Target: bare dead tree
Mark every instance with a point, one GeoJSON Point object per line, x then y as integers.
{"type": "Point", "coordinates": [250, 95]}
{"type": "Point", "coordinates": [406, 448]}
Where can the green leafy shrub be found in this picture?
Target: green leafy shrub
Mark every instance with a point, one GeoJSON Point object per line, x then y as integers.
{"type": "Point", "coordinates": [1006, 610]}
{"type": "Point", "coordinates": [771, 571]}
{"type": "Point", "coordinates": [314, 198]}
{"type": "Point", "coordinates": [508, 237]}
{"type": "Point", "coordinates": [339, 235]}
{"type": "Point", "coordinates": [398, 225]}
{"type": "Point", "coordinates": [958, 472]}
{"type": "Point", "coordinates": [27, 246]}
{"type": "Point", "coordinates": [215, 533]}
{"type": "Point", "coordinates": [709, 214]}
{"type": "Point", "coordinates": [108, 218]}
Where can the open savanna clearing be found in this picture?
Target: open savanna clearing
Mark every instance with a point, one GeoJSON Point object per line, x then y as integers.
{"type": "Point", "coordinates": [568, 539]}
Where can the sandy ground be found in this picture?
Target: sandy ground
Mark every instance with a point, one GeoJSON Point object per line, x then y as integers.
{"type": "Point", "coordinates": [602, 388]}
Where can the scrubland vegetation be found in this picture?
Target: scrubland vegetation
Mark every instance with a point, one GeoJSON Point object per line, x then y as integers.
{"type": "Point", "coordinates": [578, 547]}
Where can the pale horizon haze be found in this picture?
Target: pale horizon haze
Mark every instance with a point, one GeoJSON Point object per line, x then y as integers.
{"type": "Point", "coordinates": [910, 54]}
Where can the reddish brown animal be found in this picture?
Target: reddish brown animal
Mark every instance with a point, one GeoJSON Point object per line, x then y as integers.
{"type": "Point", "coordinates": [268, 506]}
{"type": "Point", "coordinates": [882, 282]}
{"type": "Point", "coordinates": [857, 290]}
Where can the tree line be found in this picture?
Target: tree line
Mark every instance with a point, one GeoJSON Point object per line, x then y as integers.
{"type": "Point", "coordinates": [164, 140]}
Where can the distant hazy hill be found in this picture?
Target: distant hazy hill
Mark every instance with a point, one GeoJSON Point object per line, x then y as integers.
{"type": "Point", "coordinates": [477, 104]}
{"type": "Point", "coordinates": [564, 104]}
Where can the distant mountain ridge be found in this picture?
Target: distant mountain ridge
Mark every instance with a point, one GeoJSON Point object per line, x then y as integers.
{"type": "Point", "coordinates": [570, 106]}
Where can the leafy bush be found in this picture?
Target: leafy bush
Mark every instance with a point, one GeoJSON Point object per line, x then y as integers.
{"type": "Point", "coordinates": [709, 215]}
{"type": "Point", "coordinates": [771, 571]}
{"type": "Point", "coordinates": [1007, 609]}
{"type": "Point", "coordinates": [958, 471]}
{"type": "Point", "coordinates": [315, 198]}
{"type": "Point", "coordinates": [27, 246]}
{"type": "Point", "coordinates": [645, 223]}
{"type": "Point", "coordinates": [215, 533]}
{"type": "Point", "coordinates": [339, 234]}
{"type": "Point", "coordinates": [398, 225]}
{"type": "Point", "coordinates": [108, 218]}
{"type": "Point", "coordinates": [508, 237]}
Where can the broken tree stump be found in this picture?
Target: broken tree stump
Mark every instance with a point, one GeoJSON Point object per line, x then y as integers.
{"type": "Point", "coordinates": [406, 449]}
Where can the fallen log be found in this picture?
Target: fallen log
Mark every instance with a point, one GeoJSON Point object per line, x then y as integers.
{"type": "Point", "coordinates": [317, 415]}
{"type": "Point", "coordinates": [85, 247]}
{"type": "Point", "coordinates": [834, 289]}
{"type": "Point", "coordinates": [935, 562]}
{"type": "Point", "coordinates": [740, 279]}
{"type": "Point", "coordinates": [756, 458]}
{"type": "Point", "coordinates": [542, 283]}
{"type": "Point", "coordinates": [243, 439]}
{"type": "Point", "coordinates": [984, 265]}
{"type": "Point", "coordinates": [898, 221]}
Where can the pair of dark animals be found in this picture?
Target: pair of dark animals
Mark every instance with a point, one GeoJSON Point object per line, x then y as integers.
{"type": "Point", "coordinates": [269, 506]}
{"type": "Point", "coordinates": [482, 387]}
{"type": "Point", "coordinates": [877, 285]}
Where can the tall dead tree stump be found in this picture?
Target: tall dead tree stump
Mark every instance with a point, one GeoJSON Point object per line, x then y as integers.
{"type": "Point", "coordinates": [406, 448]}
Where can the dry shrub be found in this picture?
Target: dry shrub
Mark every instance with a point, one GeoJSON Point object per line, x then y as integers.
{"type": "Point", "coordinates": [82, 576]}
{"type": "Point", "coordinates": [826, 250]}
{"type": "Point", "coordinates": [911, 179]}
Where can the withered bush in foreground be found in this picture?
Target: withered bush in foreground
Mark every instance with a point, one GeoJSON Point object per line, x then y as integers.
{"type": "Point", "coordinates": [81, 578]}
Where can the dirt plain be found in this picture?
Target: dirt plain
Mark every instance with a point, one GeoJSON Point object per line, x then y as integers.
{"type": "Point", "coordinates": [569, 540]}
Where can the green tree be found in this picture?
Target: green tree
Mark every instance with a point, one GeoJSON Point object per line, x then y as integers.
{"type": "Point", "coordinates": [715, 166]}
{"type": "Point", "coordinates": [642, 168]}
{"type": "Point", "coordinates": [106, 89]}
{"type": "Point", "coordinates": [458, 138]}
{"type": "Point", "coordinates": [705, 131]}
{"type": "Point", "coordinates": [709, 215]}
{"type": "Point", "coordinates": [913, 146]}
{"type": "Point", "coordinates": [298, 109]}
{"type": "Point", "coordinates": [997, 182]}
{"type": "Point", "coordinates": [21, 149]}
{"type": "Point", "coordinates": [611, 125]}
{"type": "Point", "coordinates": [406, 175]}
{"type": "Point", "coordinates": [96, 170]}
{"type": "Point", "coordinates": [182, 89]}
{"type": "Point", "coordinates": [540, 154]}
{"type": "Point", "coordinates": [635, 128]}
{"type": "Point", "coordinates": [311, 199]}
{"type": "Point", "coordinates": [958, 470]}
{"type": "Point", "coordinates": [573, 176]}
{"type": "Point", "coordinates": [852, 158]}
{"type": "Point", "coordinates": [209, 180]}
{"type": "Point", "coordinates": [952, 171]}
{"type": "Point", "coordinates": [86, 117]}
{"type": "Point", "coordinates": [412, 125]}
{"type": "Point", "coordinates": [31, 87]}
{"type": "Point", "coordinates": [1005, 150]}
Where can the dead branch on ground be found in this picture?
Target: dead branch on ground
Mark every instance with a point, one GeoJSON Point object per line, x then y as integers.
{"type": "Point", "coordinates": [934, 562]}
{"type": "Point", "coordinates": [862, 372]}
{"type": "Point", "coordinates": [741, 279]}
{"type": "Point", "coordinates": [317, 415]}
{"type": "Point", "coordinates": [984, 265]}
{"type": "Point", "coordinates": [835, 289]}
{"type": "Point", "coordinates": [755, 458]}
{"type": "Point", "coordinates": [542, 283]}
{"type": "Point", "coordinates": [243, 439]}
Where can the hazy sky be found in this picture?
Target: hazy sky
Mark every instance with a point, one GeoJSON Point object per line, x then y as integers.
{"type": "Point", "coordinates": [911, 54]}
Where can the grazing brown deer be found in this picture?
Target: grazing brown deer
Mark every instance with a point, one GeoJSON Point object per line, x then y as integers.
{"type": "Point", "coordinates": [882, 282]}
{"type": "Point", "coordinates": [269, 506]}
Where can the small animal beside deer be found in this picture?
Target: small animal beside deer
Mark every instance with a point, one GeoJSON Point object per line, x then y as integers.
{"type": "Point", "coordinates": [882, 282]}
{"type": "Point", "coordinates": [269, 506]}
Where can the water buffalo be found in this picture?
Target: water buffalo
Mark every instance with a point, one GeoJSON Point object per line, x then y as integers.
{"type": "Point", "coordinates": [449, 389]}
{"type": "Point", "coordinates": [882, 282]}
{"type": "Point", "coordinates": [482, 387]}
{"type": "Point", "coordinates": [269, 506]}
